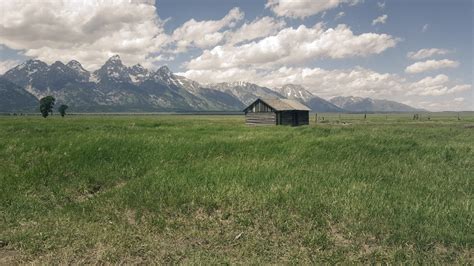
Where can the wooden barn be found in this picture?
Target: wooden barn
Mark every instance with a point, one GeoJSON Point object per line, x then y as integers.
{"type": "Point", "coordinates": [276, 112]}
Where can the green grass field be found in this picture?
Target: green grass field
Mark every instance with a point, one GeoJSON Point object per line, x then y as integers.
{"type": "Point", "coordinates": [208, 189]}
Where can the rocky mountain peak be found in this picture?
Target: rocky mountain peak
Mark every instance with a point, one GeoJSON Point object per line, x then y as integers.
{"type": "Point", "coordinates": [29, 70]}
{"type": "Point", "coordinates": [114, 59]}
{"type": "Point", "coordinates": [240, 83]}
{"type": "Point", "coordinates": [113, 71]}
{"type": "Point", "coordinates": [164, 70]}
{"type": "Point", "coordinates": [75, 65]}
{"type": "Point", "coordinates": [139, 68]}
{"type": "Point", "coordinates": [59, 65]}
{"type": "Point", "coordinates": [138, 73]}
{"type": "Point", "coordinates": [32, 64]}
{"type": "Point", "coordinates": [163, 74]}
{"type": "Point", "coordinates": [295, 92]}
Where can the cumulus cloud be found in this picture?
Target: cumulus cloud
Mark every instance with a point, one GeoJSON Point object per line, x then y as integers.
{"type": "Point", "coordinates": [430, 65]}
{"type": "Point", "coordinates": [89, 31]}
{"type": "Point", "coordinates": [326, 83]}
{"type": "Point", "coordinates": [292, 46]}
{"type": "Point", "coordinates": [260, 27]}
{"type": "Point", "coordinates": [381, 5]}
{"type": "Point", "coordinates": [380, 20]}
{"type": "Point", "coordinates": [305, 8]}
{"type": "Point", "coordinates": [436, 86]}
{"type": "Point", "coordinates": [426, 53]}
{"type": "Point", "coordinates": [359, 81]}
{"type": "Point", "coordinates": [204, 34]}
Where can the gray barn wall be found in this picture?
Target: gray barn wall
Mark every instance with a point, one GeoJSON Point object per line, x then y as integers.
{"type": "Point", "coordinates": [264, 118]}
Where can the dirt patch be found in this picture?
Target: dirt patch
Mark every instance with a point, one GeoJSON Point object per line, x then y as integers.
{"type": "Point", "coordinates": [130, 217]}
{"type": "Point", "coordinates": [89, 193]}
{"type": "Point", "coordinates": [338, 236]}
{"type": "Point", "coordinates": [8, 257]}
{"type": "Point", "coordinates": [97, 189]}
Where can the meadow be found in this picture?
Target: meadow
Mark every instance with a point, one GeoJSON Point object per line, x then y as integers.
{"type": "Point", "coordinates": [209, 189]}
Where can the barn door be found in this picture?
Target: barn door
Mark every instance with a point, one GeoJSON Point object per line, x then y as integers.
{"type": "Point", "coordinates": [294, 118]}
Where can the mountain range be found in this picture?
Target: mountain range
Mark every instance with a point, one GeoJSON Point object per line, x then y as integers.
{"type": "Point", "coordinates": [358, 104]}
{"type": "Point", "coordinates": [115, 87]}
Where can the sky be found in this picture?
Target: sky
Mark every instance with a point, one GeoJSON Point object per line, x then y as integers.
{"type": "Point", "coordinates": [418, 52]}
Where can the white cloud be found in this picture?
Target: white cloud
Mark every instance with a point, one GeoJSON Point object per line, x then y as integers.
{"type": "Point", "coordinates": [340, 15]}
{"type": "Point", "coordinates": [163, 58]}
{"type": "Point", "coordinates": [448, 104]}
{"type": "Point", "coordinates": [459, 99]}
{"type": "Point", "coordinates": [429, 65]}
{"type": "Point", "coordinates": [381, 5]}
{"type": "Point", "coordinates": [359, 81]}
{"type": "Point", "coordinates": [326, 83]}
{"type": "Point", "coordinates": [436, 86]}
{"type": "Point", "coordinates": [204, 34]}
{"type": "Point", "coordinates": [260, 27]}
{"type": "Point", "coordinates": [425, 27]}
{"type": "Point", "coordinates": [426, 53]}
{"type": "Point", "coordinates": [380, 20]}
{"type": "Point", "coordinates": [293, 46]}
{"type": "Point", "coordinates": [305, 8]}
{"type": "Point", "coordinates": [7, 65]}
{"type": "Point", "coordinates": [89, 31]}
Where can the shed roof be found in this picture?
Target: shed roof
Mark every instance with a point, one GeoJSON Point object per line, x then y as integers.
{"type": "Point", "coordinates": [283, 105]}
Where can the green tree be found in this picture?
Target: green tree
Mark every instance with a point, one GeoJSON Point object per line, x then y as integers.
{"type": "Point", "coordinates": [46, 105]}
{"type": "Point", "coordinates": [62, 109]}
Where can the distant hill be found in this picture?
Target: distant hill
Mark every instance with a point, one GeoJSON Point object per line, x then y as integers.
{"type": "Point", "coordinates": [358, 104]}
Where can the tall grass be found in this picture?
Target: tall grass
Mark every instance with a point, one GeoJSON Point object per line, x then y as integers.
{"type": "Point", "coordinates": [209, 189]}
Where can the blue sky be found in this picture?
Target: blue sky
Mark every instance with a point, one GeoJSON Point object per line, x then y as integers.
{"type": "Point", "coordinates": [449, 25]}
{"type": "Point", "coordinates": [339, 47]}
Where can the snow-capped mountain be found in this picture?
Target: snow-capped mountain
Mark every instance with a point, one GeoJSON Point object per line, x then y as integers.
{"type": "Point", "coordinates": [244, 91]}
{"type": "Point", "coordinates": [301, 94]}
{"type": "Point", "coordinates": [163, 74]}
{"type": "Point", "coordinates": [359, 104]}
{"type": "Point", "coordinates": [113, 71]}
{"type": "Point", "coordinates": [80, 71]}
{"type": "Point", "coordinates": [295, 92]}
{"type": "Point", "coordinates": [117, 87]}
{"type": "Point", "coordinates": [28, 72]}
{"type": "Point", "coordinates": [138, 73]}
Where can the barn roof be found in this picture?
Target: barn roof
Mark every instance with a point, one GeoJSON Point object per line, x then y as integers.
{"type": "Point", "coordinates": [283, 105]}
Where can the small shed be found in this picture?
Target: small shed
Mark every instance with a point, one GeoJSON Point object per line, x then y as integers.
{"type": "Point", "coordinates": [276, 112]}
